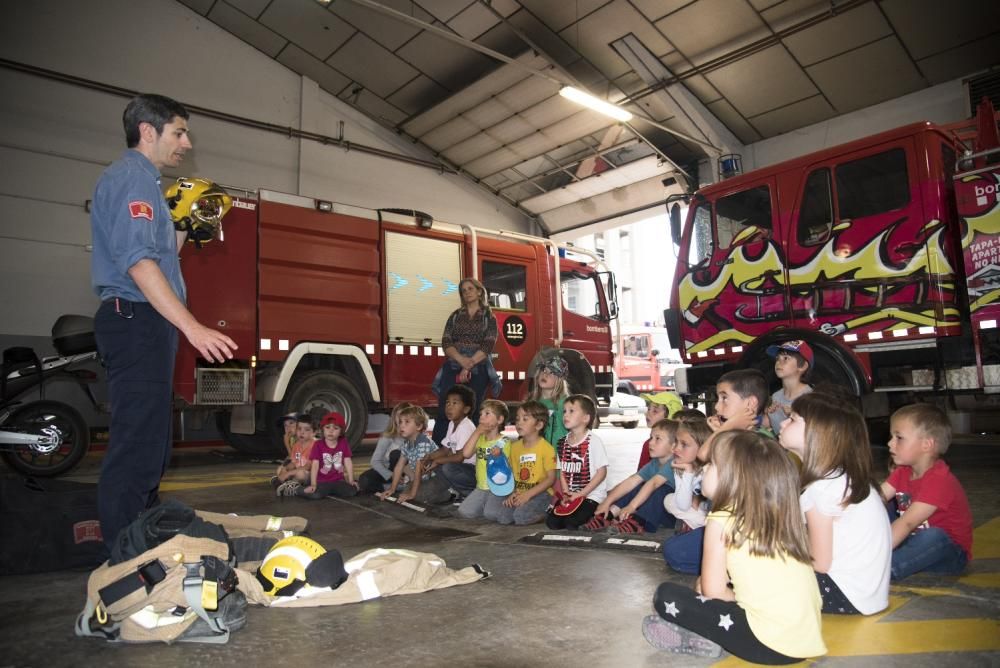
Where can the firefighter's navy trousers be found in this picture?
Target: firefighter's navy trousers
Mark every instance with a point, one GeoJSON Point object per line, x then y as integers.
{"type": "Point", "coordinates": [137, 346]}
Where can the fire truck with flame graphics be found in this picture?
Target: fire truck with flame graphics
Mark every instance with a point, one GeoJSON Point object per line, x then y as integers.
{"type": "Point", "coordinates": [336, 307]}
{"type": "Point", "coordinates": [883, 254]}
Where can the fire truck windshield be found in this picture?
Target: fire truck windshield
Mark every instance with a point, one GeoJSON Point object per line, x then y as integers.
{"type": "Point", "coordinates": [581, 295]}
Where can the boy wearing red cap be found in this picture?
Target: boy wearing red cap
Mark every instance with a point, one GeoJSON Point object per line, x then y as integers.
{"type": "Point", "coordinates": [793, 363]}
{"type": "Point", "coordinates": [332, 473]}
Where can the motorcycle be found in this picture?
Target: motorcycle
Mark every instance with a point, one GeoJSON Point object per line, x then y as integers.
{"type": "Point", "coordinates": [43, 437]}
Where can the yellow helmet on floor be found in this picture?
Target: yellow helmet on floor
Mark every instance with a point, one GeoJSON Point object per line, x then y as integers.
{"type": "Point", "coordinates": [197, 206]}
{"type": "Point", "coordinates": [283, 571]}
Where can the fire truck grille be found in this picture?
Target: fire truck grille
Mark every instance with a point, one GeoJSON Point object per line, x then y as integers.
{"type": "Point", "coordinates": [222, 387]}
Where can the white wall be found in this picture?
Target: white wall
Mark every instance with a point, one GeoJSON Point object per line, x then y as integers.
{"type": "Point", "coordinates": [944, 103]}
{"type": "Point", "coordinates": [56, 138]}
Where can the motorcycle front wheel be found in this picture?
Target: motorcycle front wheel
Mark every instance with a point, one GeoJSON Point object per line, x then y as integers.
{"type": "Point", "coordinates": [51, 417]}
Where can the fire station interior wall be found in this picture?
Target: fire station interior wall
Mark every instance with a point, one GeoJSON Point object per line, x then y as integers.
{"type": "Point", "coordinates": [57, 138]}
{"type": "Point", "coordinates": [422, 277]}
{"type": "Point", "coordinates": [944, 103]}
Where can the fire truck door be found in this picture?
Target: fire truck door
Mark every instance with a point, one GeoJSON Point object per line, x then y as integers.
{"type": "Point", "coordinates": [515, 307]}
{"type": "Point", "coordinates": [585, 322]}
{"type": "Point", "coordinates": [858, 252]}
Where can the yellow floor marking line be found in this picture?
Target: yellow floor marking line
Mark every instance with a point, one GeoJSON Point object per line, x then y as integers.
{"type": "Point", "coordinates": [986, 540]}
{"type": "Point", "coordinates": [851, 635]}
{"type": "Point", "coordinates": [991, 580]}
{"type": "Point", "coordinates": [175, 481]}
{"type": "Point", "coordinates": [176, 486]}
{"type": "Point", "coordinates": [926, 591]}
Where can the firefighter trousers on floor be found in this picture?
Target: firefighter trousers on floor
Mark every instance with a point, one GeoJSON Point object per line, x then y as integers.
{"type": "Point", "coordinates": [137, 346]}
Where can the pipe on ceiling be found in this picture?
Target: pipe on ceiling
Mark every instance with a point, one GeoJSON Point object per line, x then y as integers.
{"type": "Point", "coordinates": [287, 131]}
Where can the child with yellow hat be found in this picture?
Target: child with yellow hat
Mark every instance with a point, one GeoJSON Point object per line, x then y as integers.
{"type": "Point", "coordinates": [659, 406]}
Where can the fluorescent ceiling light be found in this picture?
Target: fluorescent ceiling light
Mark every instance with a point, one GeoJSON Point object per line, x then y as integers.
{"type": "Point", "coordinates": [592, 102]}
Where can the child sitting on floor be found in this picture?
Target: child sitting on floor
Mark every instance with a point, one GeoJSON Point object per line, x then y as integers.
{"type": "Point", "coordinates": [933, 528]}
{"type": "Point", "coordinates": [757, 595]}
{"type": "Point", "coordinates": [453, 470]}
{"type": "Point", "coordinates": [294, 471]}
{"type": "Point", "coordinates": [635, 505]}
{"type": "Point", "coordinates": [686, 503]}
{"type": "Point", "coordinates": [659, 406]}
{"type": "Point", "coordinates": [383, 460]}
{"type": "Point", "coordinates": [742, 399]}
{"type": "Point", "coordinates": [331, 470]}
{"type": "Point", "coordinates": [533, 460]}
{"type": "Point", "coordinates": [485, 442]}
{"type": "Point", "coordinates": [416, 446]}
{"type": "Point", "coordinates": [288, 424]}
{"type": "Point", "coordinates": [583, 466]}
{"type": "Point", "coordinates": [551, 389]}
{"type": "Point", "coordinates": [849, 535]}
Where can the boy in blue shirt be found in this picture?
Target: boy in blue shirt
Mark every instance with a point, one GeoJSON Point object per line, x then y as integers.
{"type": "Point", "coordinates": [635, 505]}
{"type": "Point", "coordinates": [416, 447]}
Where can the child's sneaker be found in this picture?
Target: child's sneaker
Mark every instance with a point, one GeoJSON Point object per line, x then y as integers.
{"type": "Point", "coordinates": [664, 635]}
{"type": "Point", "coordinates": [288, 488]}
{"type": "Point", "coordinates": [598, 523]}
{"type": "Point", "coordinates": [627, 527]}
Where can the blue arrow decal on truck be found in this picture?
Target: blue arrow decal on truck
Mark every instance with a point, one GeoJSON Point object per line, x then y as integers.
{"type": "Point", "coordinates": [400, 281]}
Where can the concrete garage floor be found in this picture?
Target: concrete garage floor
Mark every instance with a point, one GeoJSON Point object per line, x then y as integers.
{"type": "Point", "coordinates": [556, 606]}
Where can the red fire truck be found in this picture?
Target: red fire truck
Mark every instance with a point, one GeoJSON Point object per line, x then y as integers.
{"type": "Point", "coordinates": [336, 307]}
{"type": "Point", "coordinates": [883, 254]}
{"type": "Point", "coordinates": [643, 360]}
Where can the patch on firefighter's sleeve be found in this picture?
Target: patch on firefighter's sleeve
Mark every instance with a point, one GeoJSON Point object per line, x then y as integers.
{"type": "Point", "coordinates": [140, 209]}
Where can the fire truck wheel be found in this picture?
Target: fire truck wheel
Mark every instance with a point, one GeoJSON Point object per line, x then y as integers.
{"type": "Point", "coordinates": [318, 393]}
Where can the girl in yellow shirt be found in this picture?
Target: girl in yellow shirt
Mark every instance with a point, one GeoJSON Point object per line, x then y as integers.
{"type": "Point", "coordinates": [757, 596]}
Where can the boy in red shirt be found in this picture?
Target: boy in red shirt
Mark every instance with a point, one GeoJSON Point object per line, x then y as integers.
{"type": "Point", "coordinates": [933, 528]}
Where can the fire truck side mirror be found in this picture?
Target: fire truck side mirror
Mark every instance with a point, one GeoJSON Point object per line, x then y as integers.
{"type": "Point", "coordinates": [612, 295]}
{"type": "Point", "coordinates": [675, 224]}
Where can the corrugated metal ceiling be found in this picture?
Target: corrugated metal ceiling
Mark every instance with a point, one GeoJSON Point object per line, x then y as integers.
{"type": "Point", "coordinates": [755, 68]}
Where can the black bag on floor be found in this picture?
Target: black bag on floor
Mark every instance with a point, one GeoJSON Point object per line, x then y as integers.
{"type": "Point", "coordinates": [48, 525]}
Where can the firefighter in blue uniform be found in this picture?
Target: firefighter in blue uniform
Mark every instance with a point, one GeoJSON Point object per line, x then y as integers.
{"type": "Point", "coordinates": [136, 273]}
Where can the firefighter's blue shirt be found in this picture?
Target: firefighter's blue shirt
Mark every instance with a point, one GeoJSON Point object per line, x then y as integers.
{"type": "Point", "coordinates": [130, 221]}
